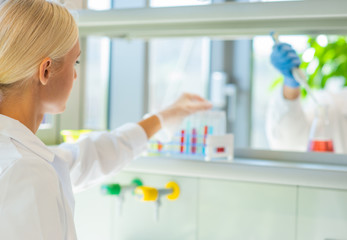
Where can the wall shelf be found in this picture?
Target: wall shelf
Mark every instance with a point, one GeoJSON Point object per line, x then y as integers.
{"type": "Point", "coordinates": [325, 171]}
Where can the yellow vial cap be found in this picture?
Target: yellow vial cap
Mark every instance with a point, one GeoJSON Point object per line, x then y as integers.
{"type": "Point", "coordinates": [148, 193]}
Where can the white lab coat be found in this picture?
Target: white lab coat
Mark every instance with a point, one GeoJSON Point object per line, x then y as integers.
{"type": "Point", "coordinates": [37, 182]}
{"type": "Point", "coordinates": [289, 122]}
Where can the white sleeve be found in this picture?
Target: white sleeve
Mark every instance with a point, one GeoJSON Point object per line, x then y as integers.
{"type": "Point", "coordinates": [98, 155]}
{"type": "Point", "coordinates": [287, 127]}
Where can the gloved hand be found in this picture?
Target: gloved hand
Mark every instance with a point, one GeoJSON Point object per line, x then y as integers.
{"type": "Point", "coordinates": [172, 116]}
{"type": "Point", "coordinates": [284, 58]}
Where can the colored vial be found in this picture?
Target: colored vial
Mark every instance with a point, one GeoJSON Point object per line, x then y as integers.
{"type": "Point", "coordinates": [194, 141]}
{"type": "Point", "coordinates": [320, 139]}
{"type": "Point", "coordinates": [182, 142]}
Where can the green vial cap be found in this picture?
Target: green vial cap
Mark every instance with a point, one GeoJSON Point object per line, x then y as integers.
{"type": "Point", "coordinates": [111, 189]}
{"type": "Point", "coordinates": [137, 182]}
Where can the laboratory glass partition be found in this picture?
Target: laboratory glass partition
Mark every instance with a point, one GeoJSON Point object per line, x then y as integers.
{"type": "Point", "coordinates": [323, 62]}
{"type": "Point", "coordinates": [129, 71]}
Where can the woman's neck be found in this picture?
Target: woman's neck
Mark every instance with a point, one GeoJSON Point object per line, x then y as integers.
{"type": "Point", "coordinates": [24, 107]}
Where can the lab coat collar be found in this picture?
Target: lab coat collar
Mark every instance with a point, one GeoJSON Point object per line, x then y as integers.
{"type": "Point", "coordinates": [17, 131]}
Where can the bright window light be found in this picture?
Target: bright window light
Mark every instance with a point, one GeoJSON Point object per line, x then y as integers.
{"type": "Point", "coordinates": [99, 4]}
{"type": "Point", "coordinates": [175, 3]}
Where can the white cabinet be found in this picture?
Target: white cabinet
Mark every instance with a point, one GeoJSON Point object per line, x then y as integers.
{"type": "Point", "coordinates": [247, 211]}
{"type": "Point", "coordinates": [215, 209]}
{"type": "Point", "coordinates": [92, 215]}
{"type": "Point", "coordinates": [322, 214]}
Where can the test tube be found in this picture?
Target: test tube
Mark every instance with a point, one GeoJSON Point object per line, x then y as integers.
{"type": "Point", "coordinates": [187, 136]}
{"type": "Point", "coordinates": [193, 144]}
{"type": "Point", "coordinates": [182, 141]}
{"type": "Point", "coordinates": [200, 138]}
{"type": "Point", "coordinates": [205, 137]}
{"type": "Point", "coordinates": [160, 146]}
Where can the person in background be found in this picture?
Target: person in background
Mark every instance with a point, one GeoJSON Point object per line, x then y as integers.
{"type": "Point", "coordinates": [289, 121]}
{"type": "Point", "coordinates": [39, 49]}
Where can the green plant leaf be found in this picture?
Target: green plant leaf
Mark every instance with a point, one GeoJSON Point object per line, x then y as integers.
{"type": "Point", "coordinates": [278, 81]}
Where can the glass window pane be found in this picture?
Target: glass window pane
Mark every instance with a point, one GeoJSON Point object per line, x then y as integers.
{"type": "Point", "coordinates": [99, 4]}
{"type": "Point", "coordinates": [96, 82]}
{"type": "Point", "coordinates": [177, 66]}
{"type": "Point", "coordinates": [324, 60]}
{"type": "Point", "coordinates": [264, 74]}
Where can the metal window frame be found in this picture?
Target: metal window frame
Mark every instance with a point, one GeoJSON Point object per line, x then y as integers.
{"type": "Point", "coordinates": [225, 20]}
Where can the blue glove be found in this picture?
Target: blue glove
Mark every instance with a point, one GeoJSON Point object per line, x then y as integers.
{"type": "Point", "coordinates": [284, 58]}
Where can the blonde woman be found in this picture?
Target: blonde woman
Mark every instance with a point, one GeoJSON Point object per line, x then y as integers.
{"type": "Point", "coordinates": [39, 48]}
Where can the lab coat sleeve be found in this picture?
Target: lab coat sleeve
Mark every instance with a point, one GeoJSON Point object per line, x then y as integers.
{"type": "Point", "coordinates": [98, 155]}
{"type": "Point", "coordinates": [287, 126]}
{"type": "Point", "coordinates": [29, 207]}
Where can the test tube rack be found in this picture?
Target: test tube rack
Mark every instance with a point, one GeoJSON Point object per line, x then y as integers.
{"type": "Point", "coordinates": [191, 139]}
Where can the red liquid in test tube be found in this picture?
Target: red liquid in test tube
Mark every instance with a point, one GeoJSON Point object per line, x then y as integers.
{"type": "Point", "coordinates": [205, 136]}
{"type": "Point", "coordinates": [321, 146]}
{"type": "Point", "coordinates": [194, 141]}
{"type": "Point", "coordinates": [220, 150]}
{"type": "Point", "coordinates": [182, 142]}
{"type": "Point", "coordinates": [160, 146]}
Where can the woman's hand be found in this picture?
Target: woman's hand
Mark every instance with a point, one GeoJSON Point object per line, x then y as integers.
{"type": "Point", "coordinates": [184, 106]}
{"type": "Point", "coordinates": [172, 116]}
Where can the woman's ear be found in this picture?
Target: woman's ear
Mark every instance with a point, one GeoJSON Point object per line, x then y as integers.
{"type": "Point", "coordinates": [45, 71]}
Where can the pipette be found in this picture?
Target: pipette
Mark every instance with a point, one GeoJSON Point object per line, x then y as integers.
{"type": "Point", "coordinates": [298, 74]}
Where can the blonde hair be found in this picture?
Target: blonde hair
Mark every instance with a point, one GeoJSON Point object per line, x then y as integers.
{"type": "Point", "coordinates": [30, 31]}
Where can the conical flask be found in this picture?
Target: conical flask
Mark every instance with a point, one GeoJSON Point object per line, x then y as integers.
{"type": "Point", "coordinates": [320, 139]}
